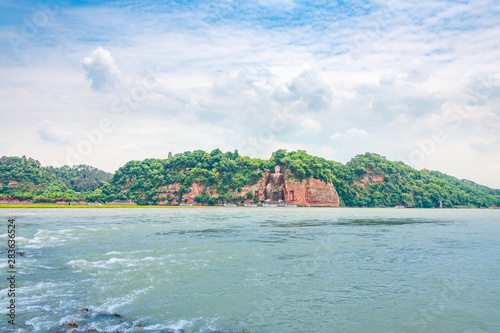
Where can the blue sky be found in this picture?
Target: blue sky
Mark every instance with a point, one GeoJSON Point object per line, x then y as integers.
{"type": "Point", "coordinates": [104, 82]}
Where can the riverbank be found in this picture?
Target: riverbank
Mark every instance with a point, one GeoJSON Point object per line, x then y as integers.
{"type": "Point", "coordinates": [218, 206]}
{"type": "Point", "coordinates": [94, 206]}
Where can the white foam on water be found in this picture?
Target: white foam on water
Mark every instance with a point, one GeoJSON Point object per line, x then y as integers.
{"type": "Point", "coordinates": [21, 330]}
{"type": "Point", "coordinates": [112, 304]}
{"type": "Point", "coordinates": [41, 266]}
{"type": "Point", "coordinates": [90, 229]}
{"type": "Point", "coordinates": [129, 253]}
{"type": "Point", "coordinates": [183, 323]}
{"type": "Point", "coordinates": [40, 323]}
{"type": "Point", "coordinates": [43, 292]}
{"type": "Point", "coordinates": [39, 286]}
{"type": "Point", "coordinates": [156, 327]}
{"type": "Point", "coordinates": [109, 263]}
{"type": "Point", "coordinates": [200, 324]}
{"type": "Point", "coordinates": [48, 238]}
{"type": "Point", "coordinates": [79, 263]}
{"type": "Point", "coordinates": [69, 319]}
{"type": "Point", "coordinates": [4, 310]}
{"type": "Point", "coordinates": [35, 308]}
{"type": "Point", "coordinates": [116, 261]}
{"type": "Point", "coordinates": [82, 263]}
{"type": "Point", "coordinates": [113, 262]}
{"type": "Point", "coordinates": [118, 328]}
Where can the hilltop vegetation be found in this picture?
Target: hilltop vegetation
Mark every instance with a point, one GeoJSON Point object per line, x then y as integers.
{"type": "Point", "coordinates": [32, 179]}
{"type": "Point", "coordinates": [140, 180]}
{"type": "Point", "coordinates": [406, 186]}
{"type": "Point", "coordinates": [29, 180]}
{"type": "Point", "coordinates": [368, 180]}
{"type": "Point", "coordinates": [81, 178]}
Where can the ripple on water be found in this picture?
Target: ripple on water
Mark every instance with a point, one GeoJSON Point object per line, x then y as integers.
{"type": "Point", "coordinates": [273, 271]}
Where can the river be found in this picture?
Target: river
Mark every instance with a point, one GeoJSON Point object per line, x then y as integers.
{"type": "Point", "coordinates": [262, 270]}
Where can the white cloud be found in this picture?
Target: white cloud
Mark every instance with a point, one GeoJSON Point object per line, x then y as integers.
{"type": "Point", "coordinates": [131, 147]}
{"type": "Point", "coordinates": [310, 124]}
{"type": "Point", "coordinates": [101, 70]}
{"type": "Point", "coordinates": [355, 132]}
{"type": "Point", "coordinates": [284, 4]}
{"type": "Point", "coordinates": [388, 78]}
{"type": "Point", "coordinates": [48, 131]}
{"type": "Point", "coordinates": [352, 133]}
{"type": "Point", "coordinates": [336, 135]}
{"type": "Point", "coordinates": [311, 91]}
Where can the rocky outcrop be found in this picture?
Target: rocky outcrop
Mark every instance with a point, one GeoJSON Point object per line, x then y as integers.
{"type": "Point", "coordinates": [310, 193]}
{"type": "Point", "coordinates": [369, 178]}
{"type": "Point", "coordinates": [258, 190]}
{"type": "Point", "coordinates": [172, 191]}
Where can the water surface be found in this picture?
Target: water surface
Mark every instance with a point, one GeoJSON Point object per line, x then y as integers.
{"type": "Point", "coordinates": [259, 269]}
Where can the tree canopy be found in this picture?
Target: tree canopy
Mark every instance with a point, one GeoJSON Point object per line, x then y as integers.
{"type": "Point", "coordinates": [367, 180]}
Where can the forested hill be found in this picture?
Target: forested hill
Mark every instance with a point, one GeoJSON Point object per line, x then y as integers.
{"type": "Point", "coordinates": [81, 178]}
{"type": "Point", "coordinates": [407, 186]}
{"type": "Point", "coordinates": [368, 180]}
{"type": "Point", "coordinates": [25, 178]}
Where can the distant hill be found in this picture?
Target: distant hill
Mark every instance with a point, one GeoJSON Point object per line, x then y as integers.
{"type": "Point", "coordinates": [25, 178]}
{"type": "Point", "coordinates": [81, 178]}
{"type": "Point", "coordinates": [199, 177]}
{"type": "Point", "coordinates": [406, 186]}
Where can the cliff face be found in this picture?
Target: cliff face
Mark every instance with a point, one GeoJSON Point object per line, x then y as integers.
{"type": "Point", "coordinates": [310, 193]}
{"type": "Point", "coordinates": [10, 183]}
{"type": "Point", "coordinates": [272, 188]}
{"type": "Point", "coordinates": [173, 189]}
{"type": "Point", "coordinates": [306, 193]}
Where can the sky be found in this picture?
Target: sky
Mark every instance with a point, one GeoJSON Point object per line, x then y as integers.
{"type": "Point", "coordinates": [105, 82]}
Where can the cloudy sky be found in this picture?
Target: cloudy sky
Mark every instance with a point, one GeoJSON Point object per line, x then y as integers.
{"type": "Point", "coordinates": [105, 82]}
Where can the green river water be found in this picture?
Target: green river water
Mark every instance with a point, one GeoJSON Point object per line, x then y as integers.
{"type": "Point", "coordinates": [273, 270]}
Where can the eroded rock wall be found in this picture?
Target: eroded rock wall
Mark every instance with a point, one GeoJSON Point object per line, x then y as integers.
{"type": "Point", "coordinates": [274, 187]}
{"type": "Point", "coordinates": [310, 193]}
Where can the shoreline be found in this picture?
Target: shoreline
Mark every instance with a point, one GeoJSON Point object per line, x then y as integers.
{"type": "Point", "coordinates": [94, 206]}
{"type": "Point", "coordinates": [44, 206]}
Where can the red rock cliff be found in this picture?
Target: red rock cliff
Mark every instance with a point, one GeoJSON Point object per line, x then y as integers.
{"type": "Point", "coordinates": [310, 193]}
{"type": "Point", "coordinates": [274, 187]}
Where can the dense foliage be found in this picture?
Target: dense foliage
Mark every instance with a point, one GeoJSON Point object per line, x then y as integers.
{"type": "Point", "coordinates": [401, 185]}
{"type": "Point", "coordinates": [29, 180]}
{"type": "Point", "coordinates": [34, 180]}
{"type": "Point", "coordinates": [406, 186]}
{"type": "Point", "coordinates": [81, 178]}
{"type": "Point", "coordinates": [140, 180]}
{"type": "Point", "coordinates": [368, 180]}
